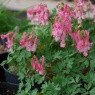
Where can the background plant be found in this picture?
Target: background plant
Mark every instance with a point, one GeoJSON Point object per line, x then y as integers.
{"type": "Point", "coordinates": [10, 19]}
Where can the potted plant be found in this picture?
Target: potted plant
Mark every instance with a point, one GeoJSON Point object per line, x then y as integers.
{"type": "Point", "coordinates": [57, 56]}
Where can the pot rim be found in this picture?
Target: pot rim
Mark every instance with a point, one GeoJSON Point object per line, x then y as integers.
{"type": "Point", "coordinates": [9, 71]}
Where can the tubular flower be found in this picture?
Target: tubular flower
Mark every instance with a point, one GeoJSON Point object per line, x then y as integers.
{"type": "Point", "coordinates": [24, 40]}
{"type": "Point", "coordinates": [82, 41]}
{"type": "Point", "coordinates": [57, 30]}
{"type": "Point", "coordinates": [63, 25]}
{"type": "Point", "coordinates": [79, 10]}
{"type": "Point", "coordinates": [10, 38]}
{"type": "Point", "coordinates": [62, 43]}
{"type": "Point", "coordinates": [30, 43]}
{"type": "Point", "coordinates": [39, 15]}
{"type": "Point", "coordinates": [37, 65]}
{"type": "Point", "coordinates": [65, 16]}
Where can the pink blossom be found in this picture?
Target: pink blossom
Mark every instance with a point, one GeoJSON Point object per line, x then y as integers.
{"type": "Point", "coordinates": [65, 17]}
{"type": "Point", "coordinates": [31, 13]}
{"type": "Point", "coordinates": [34, 46]}
{"type": "Point", "coordinates": [82, 41]}
{"type": "Point", "coordinates": [10, 37]}
{"type": "Point", "coordinates": [37, 65]}
{"type": "Point", "coordinates": [62, 12]}
{"type": "Point", "coordinates": [79, 10]}
{"type": "Point", "coordinates": [57, 30]}
{"type": "Point", "coordinates": [39, 15]}
{"type": "Point", "coordinates": [63, 38]}
{"type": "Point", "coordinates": [63, 25]}
{"type": "Point", "coordinates": [30, 43]}
{"type": "Point", "coordinates": [24, 40]}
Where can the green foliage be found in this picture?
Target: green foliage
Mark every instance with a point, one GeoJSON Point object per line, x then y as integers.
{"type": "Point", "coordinates": [10, 19]}
{"type": "Point", "coordinates": [67, 71]}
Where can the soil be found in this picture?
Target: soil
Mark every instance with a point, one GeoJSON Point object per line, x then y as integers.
{"type": "Point", "coordinates": [3, 49]}
{"type": "Point", "coordinates": [4, 91]}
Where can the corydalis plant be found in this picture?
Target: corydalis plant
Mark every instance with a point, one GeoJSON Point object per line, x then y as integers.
{"type": "Point", "coordinates": [57, 56]}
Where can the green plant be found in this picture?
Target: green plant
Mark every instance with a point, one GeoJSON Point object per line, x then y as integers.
{"type": "Point", "coordinates": [58, 53]}
{"type": "Point", "coordinates": [10, 19]}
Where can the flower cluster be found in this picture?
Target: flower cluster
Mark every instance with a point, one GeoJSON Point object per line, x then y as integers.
{"type": "Point", "coordinates": [82, 41]}
{"type": "Point", "coordinates": [39, 15]}
{"type": "Point", "coordinates": [63, 25]}
{"type": "Point", "coordinates": [36, 65]}
{"type": "Point", "coordinates": [10, 39]}
{"type": "Point", "coordinates": [80, 9]}
{"type": "Point", "coordinates": [29, 43]}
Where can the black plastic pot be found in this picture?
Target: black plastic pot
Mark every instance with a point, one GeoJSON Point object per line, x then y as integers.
{"type": "Point", "coordinates": [8, 88]}
{"type": "Point", "coordinates": [3, 57]}
{"type": "Point", "coordinates": [12, 78]}
{"type": "Point", "coordinates": [9, 77]}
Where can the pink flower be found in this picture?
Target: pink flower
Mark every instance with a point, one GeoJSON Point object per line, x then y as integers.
{"type": "Point", "coordinates": [82, 41]}
{"type": "Point", "coordinates": [79, 10]}
{"type": "Point", "coordinates": [65, 17]}
{"type": "Point", "coordinates": [34, 46]}
{"type": "Point", "coordinates": [30, 43]}
{"type": "Point", "coordinates": [24, 40]}
{"type": "Point", "coordinates": [63, 25]}
{"type": "Point", "coordinates": [62, 12]}
{"type": "Point", "coordinates": [39, 15]}
{"type": "Point", "coordinates": [37, 65]}
{"type": "Point", "coordinates": [57, 30]}
{"type": "Point", "coordinates": [31, 13]}
{"type": "Point", "coordinates": [63, 38]}
{"type": "Point", "coordinates": [10, 37]}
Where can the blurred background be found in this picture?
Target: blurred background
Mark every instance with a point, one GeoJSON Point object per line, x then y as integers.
{"type": "Point", "coordinates": [13, 12]}
{"type": "Point", "coordinates": [24, 4]}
